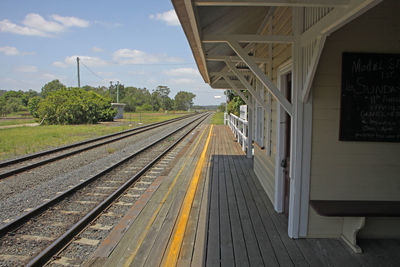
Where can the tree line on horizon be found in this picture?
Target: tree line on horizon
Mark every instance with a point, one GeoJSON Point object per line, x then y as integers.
{"type": "Point", "coordinates": [57, 104]}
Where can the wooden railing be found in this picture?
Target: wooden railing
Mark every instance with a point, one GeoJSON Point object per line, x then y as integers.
{"type": "Point", "coordinates": [239, 128]}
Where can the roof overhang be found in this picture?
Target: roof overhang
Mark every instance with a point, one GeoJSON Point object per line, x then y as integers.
{"type": "Point", "coordinates": [217, 29]}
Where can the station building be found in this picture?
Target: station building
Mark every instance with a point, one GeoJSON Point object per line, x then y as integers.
{"type": "Point", "coordinates": [322, 83]}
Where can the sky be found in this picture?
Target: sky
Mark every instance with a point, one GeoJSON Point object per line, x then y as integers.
{"type": "Point", "coordinates": [138, 43]}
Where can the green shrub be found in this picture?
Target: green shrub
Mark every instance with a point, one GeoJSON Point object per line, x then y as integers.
{"type": "Point", "coordinates": [75, 106]}
{"type": "Point", "coordinates": [33, 105]}
{"type": "Point", "coordinates": [144, 107]}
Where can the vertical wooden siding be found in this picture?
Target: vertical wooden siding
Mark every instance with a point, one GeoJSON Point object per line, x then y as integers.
{"type": "Point", "coordinates": [264, 164]}
{"type": "Point", "coordinates": [352, 170]}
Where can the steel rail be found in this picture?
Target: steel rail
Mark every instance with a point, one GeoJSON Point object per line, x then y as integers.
{"type": "Point", "coordinates": [64, 239]}
{"type": "Point", "coordinates": [20, 220]}
{"type": "Point", "coordinates": [43, 162]}
{"type": "Point", "coordinates": [46, 152]}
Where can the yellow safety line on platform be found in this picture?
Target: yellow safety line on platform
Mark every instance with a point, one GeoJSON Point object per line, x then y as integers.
{"type": "Point", "coordinates": [152, 219]}
{"type": "Point", "coordinates": [176, 244]}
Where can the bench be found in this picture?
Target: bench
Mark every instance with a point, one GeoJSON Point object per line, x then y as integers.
{"type": "Point", "coordinates": [354, 213]}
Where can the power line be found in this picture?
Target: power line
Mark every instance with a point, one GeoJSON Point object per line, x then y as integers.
{"type": "Point", "coordinates": [101, 78]}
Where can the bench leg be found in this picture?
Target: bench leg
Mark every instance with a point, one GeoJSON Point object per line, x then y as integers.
{"type": "Point", "coordinates": [351, 227]}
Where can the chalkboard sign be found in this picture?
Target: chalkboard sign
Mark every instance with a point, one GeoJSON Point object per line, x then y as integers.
{"type": "Point", "coordinates": [370, 98]}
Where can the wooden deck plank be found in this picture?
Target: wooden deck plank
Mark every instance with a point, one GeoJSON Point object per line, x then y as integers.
{"type": "Point", "coordinates": [311, 252]}
{"type": "Point", "coordinates": [379, 253]}
{"type": "Point", "coordinates": [227, 258]}
{"type": "Point", "coordinates": [233, 223]}
{"type": "Point", "coordinates": [279, 220]}
{"type": "Point", "coordinates": [186, 252]}
{"type": "Point", "coordinates": [161, 237]}
{"type": "Point", "coordinates": [337, 254]}
{"type": "Point", "coordinates": [265, 245]}
{"type": "Point", "coordinates": [252, 247]}
{"type": "Point", "coordinates": [277, 244]}
{"type": "Point", "coordinates": [239, 246]}
{"type": "Point", "coordinates": [199, 250]}
{"type": "Point", "coordinates": [160, 230]}
{"type": "Point", "coordinates": [391, 250]}
{"type": "Point", "coordinates": [213, 241]}
{"type": "Point", "coordinates": [129, 242]}
{"type": "Point", "coordinates": [281, 253]}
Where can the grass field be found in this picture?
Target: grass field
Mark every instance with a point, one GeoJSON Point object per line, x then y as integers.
{"type": "Point", "coordinates": [218, 118]}
{"type": "Point", "coordinates": [21, 114]}
{"type": "Point", "coordinates": [16, 121]}
{"type": "Point", "coordinates": [25, 140]}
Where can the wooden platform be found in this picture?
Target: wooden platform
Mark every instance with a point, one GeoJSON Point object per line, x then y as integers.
{"type": "Point", "coordinates": [231, 221]}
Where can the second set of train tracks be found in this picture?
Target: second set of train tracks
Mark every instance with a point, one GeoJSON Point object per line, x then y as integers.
{"type": "Point", "coordinates": [34, 237]}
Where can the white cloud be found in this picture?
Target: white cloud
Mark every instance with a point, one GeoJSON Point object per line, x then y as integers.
{"type": "Point", "coordinates": [97, 49]}
{"type": "Point", "coordinates": [88, 61]}
{"type": "Point", "coordinates": [182, 72]}
{"type": "Point", "coordinates": [13, 51]}
{"type": "Point", "coordinates": [71, 21]}
{"type": "Point", "coordinates": [36, 25]}
{"type": "Point", "coordinates": [127, 56]}
{"type": "Point", "coordinates": [217, 96]}
{"type": "Point", "coordinates": [27, 68]}
{"type": "Point", "coordinates": [9, 50]}
{"type": "Point", "coordinates": [8, 26]}
{"type": "Point", "coordinates": [182, 81]}
{"type": "Point", "coordinates": [37, 22]}
{"type": "Point", "coordinates": [168, 17]}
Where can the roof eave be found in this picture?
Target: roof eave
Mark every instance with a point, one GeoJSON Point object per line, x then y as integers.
{"type": "Point", "coordinates": [186, 16]}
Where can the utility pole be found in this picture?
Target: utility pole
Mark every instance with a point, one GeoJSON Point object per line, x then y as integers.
{"type": "Point", "coordinates": [79, 78]}
{"type": "Point", "coordinates": [117, 91]}
{"type": "Point", "coordinates": [111, 89]}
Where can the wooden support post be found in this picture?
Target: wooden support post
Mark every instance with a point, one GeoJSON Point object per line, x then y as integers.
{"type": "Point", "coordinates": [250, 131]}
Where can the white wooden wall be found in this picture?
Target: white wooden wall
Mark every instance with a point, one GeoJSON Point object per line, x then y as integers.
{"type": "Point", "coordinates": [352, 170]}
{"type": "Point", "coordinates": [264, 159]}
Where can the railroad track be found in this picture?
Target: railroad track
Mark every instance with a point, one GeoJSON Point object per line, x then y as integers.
{"type": "Point", "coordinates": [25, 163]}
{"type": "Point", "coordinates": [34, 237]}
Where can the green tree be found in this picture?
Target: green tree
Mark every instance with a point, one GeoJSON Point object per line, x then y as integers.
{"type": "Point", "coordinates": [51, 87]}
{"type": "Point", "coordinates": [3, 110]}
{"type": "Point", "coordinates": [144, 107]}
{"type": "Point", "coordinates": [155, 100]}
{"type": "Point", "coordinates": [234, 104]}
{"type": "Point", "coordinates": [135, 97]}
{"type": "Point", "coordinates": [184, 100]}
{"type": "Point", "coordinates": [165, 102]}
{"type": "Point", "coordinates": [75, 106]}
{"type": "Point", "coordinates": [221, 107]}
{"type": "Point", "coordinates": [28, 95]}
{"type": "Point", "coordinates": [15, 101]}
{"type": "Point", "coordinates": [33, 106]}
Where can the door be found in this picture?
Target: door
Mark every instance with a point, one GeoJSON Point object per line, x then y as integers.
{"type": "Point", "coordinates": [286, 160]}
